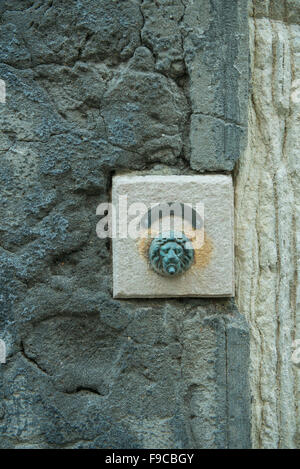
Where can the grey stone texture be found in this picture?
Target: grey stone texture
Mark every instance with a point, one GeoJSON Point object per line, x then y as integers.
{"type": "Point", "coordinates": [95, 87]}
{"type": "Point", "coordinates": [95, 373]}
{"type": "Point", "coordinates": [217, 60]}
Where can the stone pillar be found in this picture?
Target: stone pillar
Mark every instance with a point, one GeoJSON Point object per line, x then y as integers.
{"type": "Point", "coordinates": [268, 222]}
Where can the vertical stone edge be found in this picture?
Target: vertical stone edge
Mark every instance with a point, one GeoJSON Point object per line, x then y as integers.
{"type": "Point", "coordinates": [221, 386]}
{"type": "Point", "coordinates": [237, 335]}
{"type": "Point", "coordinates": [218, 62]}
{"type": "Point", "coordinates": [237, 382]}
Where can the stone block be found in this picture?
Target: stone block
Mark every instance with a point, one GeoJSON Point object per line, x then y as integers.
{"type": "Point", "coordinates": [212, 271]}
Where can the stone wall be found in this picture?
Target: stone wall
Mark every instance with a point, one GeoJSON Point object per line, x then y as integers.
{"type": "Point", "coordinates": [268, 221]}
{"type": "Point", "coordinates": [93, 88]}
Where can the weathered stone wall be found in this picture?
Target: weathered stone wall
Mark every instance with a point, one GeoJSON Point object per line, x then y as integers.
{"type": "Point", "coordinates": [268, 220]}
{"type": "Point", "coordinates": [94, 87]}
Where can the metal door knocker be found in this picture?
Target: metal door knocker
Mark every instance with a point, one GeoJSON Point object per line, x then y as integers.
{"type": "Point", "coordinates": [171, 254]}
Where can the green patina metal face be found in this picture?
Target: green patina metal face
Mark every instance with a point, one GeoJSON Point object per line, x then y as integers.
{"type": "Point", "coordinates": [171, 254]}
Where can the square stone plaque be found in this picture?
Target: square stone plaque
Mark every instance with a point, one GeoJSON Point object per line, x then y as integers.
{"type": "Point", "coordinates": [211, 199]}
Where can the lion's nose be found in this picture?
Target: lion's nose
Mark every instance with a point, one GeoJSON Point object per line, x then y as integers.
{"type": "Point", "coordinates": [171, 254]}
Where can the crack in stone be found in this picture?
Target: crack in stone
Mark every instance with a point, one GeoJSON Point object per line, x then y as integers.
{"type": "Point", "coordinates": [33, 362]}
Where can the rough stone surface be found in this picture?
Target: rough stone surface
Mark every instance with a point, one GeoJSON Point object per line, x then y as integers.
{"type": "Point", "coordinates": [132, 274]}
{"type": "Point", "coordinates": [268, 223]}
{"type": "Point", "coordinates": [216, 56]}
{"type": "Point", "coordinates": [95, 87]}
{"type": "Point", "coordinates": [134, 376]}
